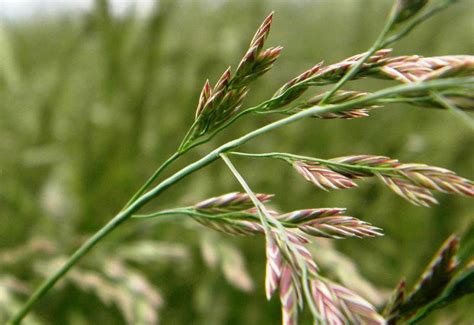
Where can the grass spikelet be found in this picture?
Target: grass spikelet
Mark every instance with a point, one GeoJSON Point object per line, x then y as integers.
{"type": "Point", "coordinates": [417, 68]}
{"type": "Point", "coordinates": [273, 270]}
{"type": "Point", "coordinates": [339, 97]}
{"type": "Point", "coordinates": [234, 201]}
{"type": "Point", "coordinates": [300, 216]}
{"type": "Point", "coordinates": [322, 177]}
{"type": "Point", "coordinates": [299, 250]}
{"type": "Point", "coordinates": [325, 303]}
{"type": "Point", "coordinates": [234, 228]}
{"type": "Point", "coordinates": [438, 179]}
{"type": "Point", "coordinates": [410, 192]}
{"type": "Point", "coordinates": [288, 297]}
{"type": "Point", "coordinates": [357, 309]}
{"type": "Point", "coordinates": [336, 71]}
{"type": "Point", "coordinates": [298, 87]}
{"type": "Point", "coordinates": [338, 227]}
{"type": "Point", "coordinates": [218, 105]}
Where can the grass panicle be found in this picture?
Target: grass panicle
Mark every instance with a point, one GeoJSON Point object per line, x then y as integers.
{"type": "Point", "coordinates": [444, 81]}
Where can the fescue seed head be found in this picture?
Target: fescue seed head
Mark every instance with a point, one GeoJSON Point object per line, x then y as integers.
{"type": "Point", "coordinates": [218, 105]}
{"type": "Point", "coordinates": [413, 182]}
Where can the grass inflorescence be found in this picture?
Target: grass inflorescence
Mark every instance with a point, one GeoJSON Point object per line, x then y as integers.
{"type": "Point", "coordinates": [440, 82]}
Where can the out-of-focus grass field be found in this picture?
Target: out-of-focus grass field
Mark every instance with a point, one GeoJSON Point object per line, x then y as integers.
{"type": "Point", "coordinates": [91, 103]}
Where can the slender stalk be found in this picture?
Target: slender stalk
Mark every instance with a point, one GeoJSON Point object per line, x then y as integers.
{"type": "Point", "coordinates": [453, 109]}
{"type": "Point", "coordinates": [194, 213]}
{"type": "Point", "coordinates": [375, 47]}
{"type": "Point", "coordinates": [153, 177]}
{"type": "Point", "coordinates": [262, 211]}
{"type": "Point", "coordinates": [265, 218]}
{"type": "Point", "coordinates": [206, 160]}
{"type": "Point", "coordinates": [290, 157]}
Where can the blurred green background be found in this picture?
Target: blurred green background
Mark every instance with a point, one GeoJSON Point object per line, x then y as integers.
{"type": "Point", "coordinates": [91, 102]}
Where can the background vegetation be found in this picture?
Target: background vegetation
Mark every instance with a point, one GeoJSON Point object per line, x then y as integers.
{"type": "Point", "coordinates": [91, 103]}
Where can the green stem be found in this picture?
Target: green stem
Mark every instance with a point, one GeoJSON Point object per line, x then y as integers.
{"type": "Point", "coordinates": [194, 213]}
{"type": "Point", "coordinates": [206, 160]}
{"type": "Point", "coordinates": [453, 109]}
{"type": "Point", "coordinates": [153, 177]}
{"type": "Point", "coordinates": [355, 68]}
{"type": "Point", "coordinates": [265, 217]}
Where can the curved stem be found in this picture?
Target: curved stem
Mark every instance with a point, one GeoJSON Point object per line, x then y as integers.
{"type": "Point", "coordinates": [194, 213]}
{"type": "Point", "coordinates": [209, 158]}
